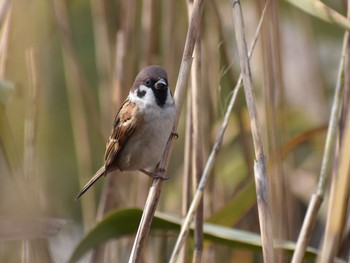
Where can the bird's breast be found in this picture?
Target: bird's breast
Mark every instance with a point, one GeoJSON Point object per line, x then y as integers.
{"type": "Point", "coordinates": [146, 145]}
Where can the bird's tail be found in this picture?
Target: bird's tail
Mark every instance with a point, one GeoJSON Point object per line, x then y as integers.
{"type": "Point", "coordinates": [97, 175]}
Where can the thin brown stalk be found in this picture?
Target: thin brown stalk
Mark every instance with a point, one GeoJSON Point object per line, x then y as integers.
{"type": "Point", "coordinates": [339, 193]}
{"type": "Point", "coordinates": [81, 140]}
{"type": "Point", "coordinates": [150, 14]}
{"type": "Point", "coordinates": [168, 35]}
{"type": "Point", "coordinates": [180, 91]}
{"type": "Point", "coordinates": [227, 57]}
{"type": "Point", "coordinates": [197, 149]}
{"type": "Point", "coordinates": [212, 157]}
{"type": "Point", "coordinates": [338, 201]}
{"type": "Point", "coordinates": [317, 198]}
{"type": "Point", "coordinates": [207, 169]}
{"type": "Point", "coordinates": [29, 135]}
{"type": "Point", "coordinates": [197, 160]}
{"type": "Point", "coordinates": [75, 81]}
{"type": "Point", "coordinates": [346, 96]}
{"type": "Point", "coordinates": [103, 61]}
{"type": "Point", "coordinates": [25, 255]}
{"type": "Point", "coordinates": [273, 97]}
{"type": "Point", "coordinates": [68, 45]}
{"type": "Point", "coordinates": [186, 182]}
{"type": "Point", "coordinates": [4, 8]}
{"type": "Point", "coordinates": [4, 37]}
{"type": "Point", "coordinates": [32, 249]}
{"type": "Point", "coordinates": [261, 178]}
{"type": "Point", "coordinates": [7, 140]}
{"type": "Point", "coordinates": [32, 113]}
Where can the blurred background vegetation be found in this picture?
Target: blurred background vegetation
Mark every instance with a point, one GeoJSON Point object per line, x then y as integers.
{"type": "Point", "coordinates": [66, 67]}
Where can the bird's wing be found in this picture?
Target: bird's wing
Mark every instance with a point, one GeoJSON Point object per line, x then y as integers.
{"type": "Point", "coordinates": [124, 125]}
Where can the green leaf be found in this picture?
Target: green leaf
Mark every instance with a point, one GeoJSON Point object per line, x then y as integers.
{"type": "Point", "coordinates": [233, 211]}
{"type": "Point", "coordinates": [322, 11]}
{"type": "Point", "coordinates": [125, 222]}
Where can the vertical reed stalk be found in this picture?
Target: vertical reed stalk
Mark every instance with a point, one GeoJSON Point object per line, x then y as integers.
{"type": "Point", "coordinates": [317, 198]}
{"type": "Point", "coordinates": [31, 117]}
{"type": "Point", "coordinates": [339, 193]}
{"type": "Point", "coordinates": [103, 61]}
{"type": "Point", "coordinates": [273, 97]}
{"type": "Point", "coordinates": [212, 157]}
{"type": "Point", "coordinates": [74, 85]}
{"type": "Point", "coordinates": [30, 128]}
{"type": "Point", "coordinates": [346, 96]}
{"type": "Point", "coordinates": [186, 182]}
{"type": "Point", "coordinates": [228, 58]}
{"type": "Point", "coordinates": [261, 178]}
{"type": "Point", "coordinates": [5, 18]}
{"type": "Point", "coordinates": [197, 149]}
{"type": "Point", "coordinates": [180, 91]}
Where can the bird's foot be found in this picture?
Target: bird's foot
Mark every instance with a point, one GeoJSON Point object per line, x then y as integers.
{"type": "Point", "coordinates": [158, 174]}
{"type": "Point", "coordinates": [174, 134]}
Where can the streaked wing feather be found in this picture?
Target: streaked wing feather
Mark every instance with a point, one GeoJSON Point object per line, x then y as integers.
{"type": "Point", "coordinates": [124, 126]}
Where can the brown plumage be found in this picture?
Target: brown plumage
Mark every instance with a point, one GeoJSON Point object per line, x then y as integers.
{"type": "Point", "coordinates": [141, 127]}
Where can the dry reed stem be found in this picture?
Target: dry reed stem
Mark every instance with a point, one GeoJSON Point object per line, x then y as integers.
{"type": "Point", "coordinates": [7, 140]}
{"type": "Point", "coordinates": [150, 14]}
{"type": "Point", "coordinates": [208, 167]}
{"type": "Point", "coordinates": [65, 34]}
{"type": "Point", "coordinates": [80, 135]}
{"type": "Point", "coordinates": [25, 252]}
{"type": "Point", "coordinates": [4, 8]}
{"type": "Point", "coordinates": [339, 197]}
{"type": "Point", "coordinates": [227, 57]}
{"type": "Point", "coordinates": [5, 23]}
{"type": "Point", "coordinates": [30, 126]}
{"type": "Point", "coordinates": [32, 250]}
{"type": "Point", "coordinates": [261, 178]}
{"type": "Point", "coordinates": [339, 194]}
{"type": "Point", "coordinates": [74, 84]}
{"type": "Point", "coordinates": [317, 198]}
{"type": "Point", "coordinates": [155, 189]}
{"type": "Point", "coordinates": [103, 61]}
{"type": "Point", "coordinates": [186, 182]}
{"type": "Point", "coordinates": [31, 115]}
{"type": "Point", "coordinates": [197, 149]}
{"type": "Point", "coordinates": [212, 157]}
{"type": "Point", "coordinates": [346, 96]}
{"type": "Point", "coordinates": [273, 99]}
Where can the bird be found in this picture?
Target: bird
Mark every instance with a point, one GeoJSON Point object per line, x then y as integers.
{"type": "Point", "coordinates": [141, 128]}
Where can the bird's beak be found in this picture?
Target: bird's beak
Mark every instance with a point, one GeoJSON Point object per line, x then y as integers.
{"type": "Point", "coordinates": [161, 84]}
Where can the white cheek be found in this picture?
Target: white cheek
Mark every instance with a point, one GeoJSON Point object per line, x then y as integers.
{"type": "Point", "coordinates": [146, 100]}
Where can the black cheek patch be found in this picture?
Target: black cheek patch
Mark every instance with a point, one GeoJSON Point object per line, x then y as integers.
{"type": "Point", "coordinates": [140, 93]}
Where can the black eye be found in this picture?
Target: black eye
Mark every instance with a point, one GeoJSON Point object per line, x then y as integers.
{"type": "Point", "coordinates": [148, 82]}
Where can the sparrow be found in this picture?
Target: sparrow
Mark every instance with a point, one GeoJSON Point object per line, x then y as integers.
{"type": "Point", "coordinates": [141, 128]}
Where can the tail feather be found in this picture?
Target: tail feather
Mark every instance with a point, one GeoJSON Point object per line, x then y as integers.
{"type": "Point", "coordinates": [97, 175]}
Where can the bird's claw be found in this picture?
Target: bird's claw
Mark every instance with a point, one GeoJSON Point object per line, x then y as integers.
{"type": "Point", "coordinates": [174, 134]}
{"type": "Point", "coordinates": [158, 174]}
